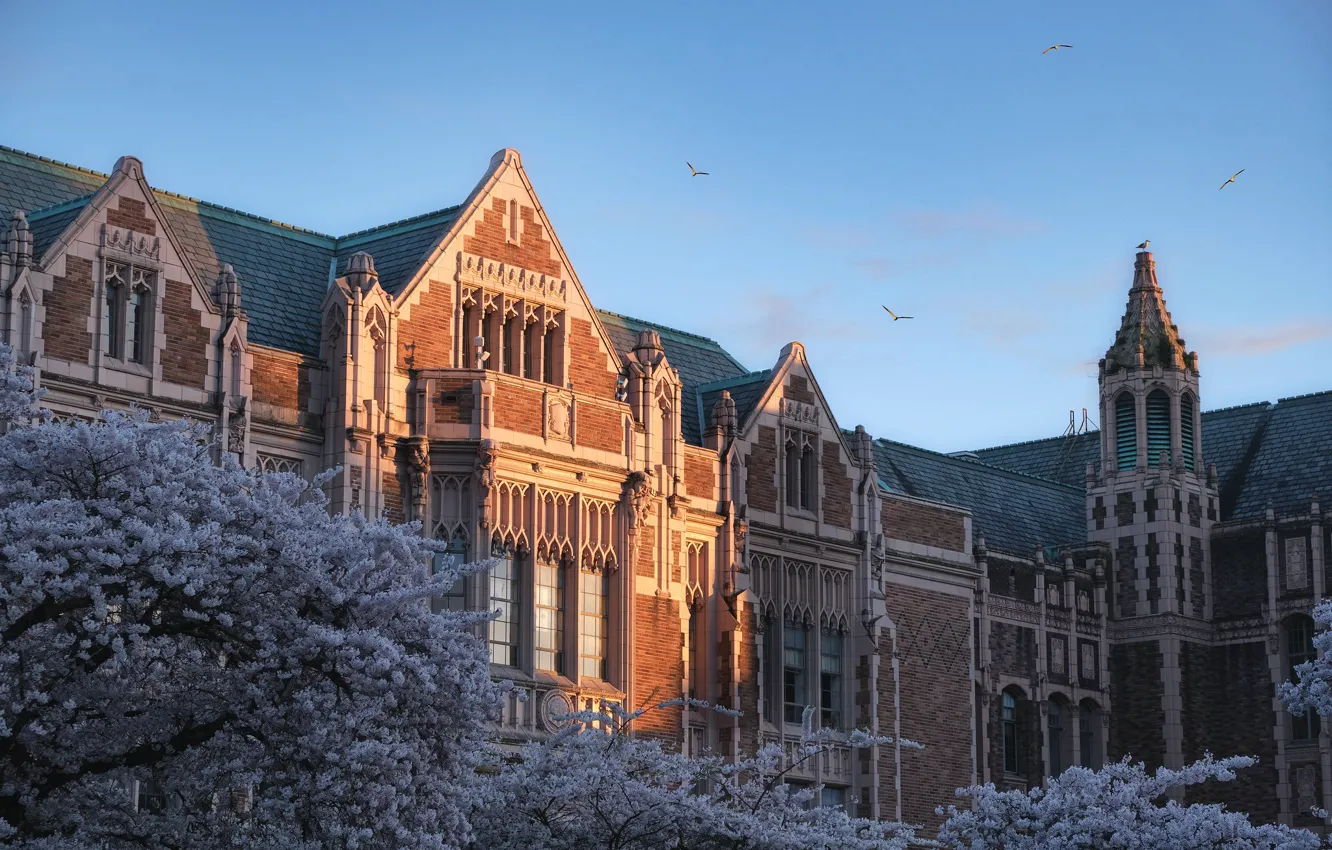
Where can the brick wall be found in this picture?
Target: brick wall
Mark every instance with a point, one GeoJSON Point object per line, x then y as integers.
{"type": "Point", "coordinates": [1239, 575]}
{"type": "Point", "coordinates": [391, 487]}
{"type": "Point", "coordinates": [430, 327]}
{"type": "Point", "coordinates": [591, 368]}
{"type": "Point", "coordinates": [490, 239]}
{"type": "Point", "coordinates": [647, 563]}
{"type": "Point", "coordinates": [67, 306]}
{"type": "Point", "coordinates": [1226, 694]}
{"type": "Point", "coordinates": [934, 645]}
{"type": "Point", "coordinates": [453, 401]}
{"type": "Point", "coordinates": [797, 389]}
{"type": "Point", "coordinates": [761, 471]}
{"type": "Point", "coordinates": [1013, 649]}
{"type": "Point", "coordinates": [518, 409]}
{"type": "Point", "coordinates": [1138, 721]}
{"type": "Point", "coordinates": [132, 214]}
{"type": "Point", "coordinates": [185, 357]}
{"type": "Point", "coordinates": [600, 428]}
{"type": "Point", "coordinates": [280, 380]}
{"type": "Point", "coordinates": [658, 643]}
{"type": "Point", "coordinates": [745, 644]}
{"type": "Point", "coordinates": [836, 487]}
{"type": "Point", "coordinates": [922, 524]}
{"type": "Point", "coordinates": [700, 474]}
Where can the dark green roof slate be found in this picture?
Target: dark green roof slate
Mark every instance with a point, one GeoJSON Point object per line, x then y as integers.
{"type": "Point", "coordinates": [1015, 512]}
{"type": "Point", "coordinates": [698, 359]}
{"type": "Point", "coordinates": [29, 182]}
{"type": "Point", "coordinates": [399, 249]}
{"type": "Point", "coordinates": [47, 225]}
{"type": "Point", "coordinates": [1293, 461]}
{"type": "Point", "coordinates": [1062, 459]}
{"type": "Point", "coordinates": [746, 391]}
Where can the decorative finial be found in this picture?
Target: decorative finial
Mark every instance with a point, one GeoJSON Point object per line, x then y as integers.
{"type": "Point", "coordinates": [361, 270]}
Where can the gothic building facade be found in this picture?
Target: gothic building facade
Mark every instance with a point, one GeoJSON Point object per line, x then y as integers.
{"type": "Point", "coordinates": [666, 521]}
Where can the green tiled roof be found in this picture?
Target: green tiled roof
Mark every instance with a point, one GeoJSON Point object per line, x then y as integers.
{"type": "Point", "coordinates": [1061, 459]}
{"type": "Point", "coordinates": [698, 359]}
{"type": "Point", "coordinates": [46, 225]}
{"type": "Point", "coordinates": [400, 248]}
{"type": "Point", "coordinates": [746, 391]}
{"type": "Point", "coordinates": [29, 182]}
{"type": "Point", "coordinates": [1015, 512]}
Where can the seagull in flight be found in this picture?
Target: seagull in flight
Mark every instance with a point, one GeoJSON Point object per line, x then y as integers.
{"type": "Point", "coordinates": [1232, 179]}
{"type": "Point", "coordinates": [895, 316]}
{"type": "Point", "coordinates": [1054, 47]}
{"type": "Point", "coordinates": [1145, 243]}
{"type": "Point", "coordinates": [694, 172]}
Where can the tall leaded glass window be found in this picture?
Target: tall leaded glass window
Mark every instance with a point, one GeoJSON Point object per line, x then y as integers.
{"type": "Point", "coordinates": [794, 692]}
{"type": "Point", "coordinates": [504, 585]}
{"type": "Point", "coordinates": [112, 309]}
{"type": "Point", "coordinates": [808, 477]}
{"type": "Point", "coordinates": [548, 356]}
{"type": "Point", "coordinates": [1055, 723]}
{"type": "Point", "coordinates": [1126, 432]}
{"type": "Point", "coordinates": [1299, 649]}
{"type": "Point", "coordinates": [509, 343]}
{"type": "Point", "coordinates": [830, 680]}
{"type": "Point", "coordinates": [138, 318]}
{"type": "Point", "coordinates": [1158, 427]}
{"type": "Point", "coordinates": [594, 625]}
{"type": "Point", "coordinates": [792, 472]}
{"type": "Point", "coordinates": [1010, 732]}
{"type": "Point", "coordinates": [455, 598]}
{"type": "Point", "coordinates": [549, 645]}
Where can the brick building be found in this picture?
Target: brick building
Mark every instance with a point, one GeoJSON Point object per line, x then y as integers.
{"type": "Point", "coordinates": [668, 521]}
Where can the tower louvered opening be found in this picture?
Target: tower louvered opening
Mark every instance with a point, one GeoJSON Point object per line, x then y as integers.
{"type": "Point", "coordinates": [1158, 427]}
{"type": "Point", "coordinates": [1126, 433]}
{"type": "Point", "coordinates": [1186, 429]}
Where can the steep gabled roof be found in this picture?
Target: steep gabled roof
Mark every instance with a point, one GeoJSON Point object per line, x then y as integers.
{"type": "Point", "coordinates": [746, 391]}
{"type": "Point", "coordinates": [698, 359]}
{"type": "Point", "coordinates": [1293, 461]}
{"type": "Point", "coordinates": [1015, 512]}
{"type": "Point", "coordinates": [46, 225]}
{"type": "Point", "coordinates": [1062, 459]}
{"type": "Point", "coordinates": [29, 182]}
{"type": "Point", "coordinates": [400, 248]}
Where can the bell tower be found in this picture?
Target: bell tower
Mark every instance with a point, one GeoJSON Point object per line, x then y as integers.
{"type": "Point", "coordinates": [1152, 499]}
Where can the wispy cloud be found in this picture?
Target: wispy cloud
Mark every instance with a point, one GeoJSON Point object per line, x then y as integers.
{"type": "Point", "coordinates": [986, 220]}
{"type": "Point", "coordinates": [772, 319]}
{"type": "Point", "coordinates": [1004, 327]}
{"type": "Point", "coordinates": [1233, 341]}
{"type": "Point", "coordinates": [887, 268]}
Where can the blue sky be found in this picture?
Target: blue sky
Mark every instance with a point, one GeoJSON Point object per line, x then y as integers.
{"type": "Point", "coordinates": [925, 156]}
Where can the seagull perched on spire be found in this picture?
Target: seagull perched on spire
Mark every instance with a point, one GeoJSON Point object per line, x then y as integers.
{"type": "Point", "coordinates": [895, 316]}
{"type": "Point", "coordinates": [1232, 179]}
{"type": "Point", "coordinates": [1145, 243]}
{"type": "Point", "coordinates": [694, 172]}
{"type": "Point", "coordinates": [1054, 47]}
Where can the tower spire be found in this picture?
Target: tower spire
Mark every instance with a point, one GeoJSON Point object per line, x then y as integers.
{"type": "Point", "coordinates": [1147, 336]}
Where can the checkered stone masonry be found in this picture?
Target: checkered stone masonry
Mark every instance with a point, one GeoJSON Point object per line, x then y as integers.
{"type": "Point", "coordinates": [67, 306]}
{"type": "Point", "coordinates": [185, 356]}
{"type": "Point", "coordinates": [429, 325]}
{"type": "Point", "coordinates": [836, 487]}
{"type": "Point", "coordinates": [761, 471]}
{"type": "Point", "coordinates": [131, 214]}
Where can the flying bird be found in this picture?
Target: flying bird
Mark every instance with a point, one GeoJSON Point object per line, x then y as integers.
{"type": "Point", "coordinates": [694, 172]}
{"type": "Point", "coordinates": [1232, 179]}
{"type": "Point", "coordinates": [895, 316]}
{"type": "Point", "coordinates": [1145, 243]}
{"type": "Point", "coordinates": [1054, 47]}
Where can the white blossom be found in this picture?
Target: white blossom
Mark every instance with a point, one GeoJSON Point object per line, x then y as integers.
{"type": "Point", "coordinates": [211, 630]}
{"type": "Point", "coordinates": [1313, 689]}
{"type": "Point", "coordinates": [594, 787]}
{"type": "Point", "coordinates": [1119, 806]}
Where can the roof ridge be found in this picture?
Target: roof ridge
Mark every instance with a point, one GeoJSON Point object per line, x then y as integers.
{"type": "Point", "coordinates": [1037, 440]}
{"type": "Point", "coordinates": [48, 161]}
{"type": "Point", "coordinates": [661, 327]}
{"type": "Point", "coordinates": [400, 221]}
{"type": "Point", "coordinates": [215, 208]}
{"type": "Point", "coordinates": [734, 381]}
{"type": "Point", "coordinates": [54, 209]}
{"type": "Point", "coordinates": [974, 463]}
{"type": "Point", "coordinates": [1304, 396]}
{"type": "Point", "coordinates": [1238, 407]}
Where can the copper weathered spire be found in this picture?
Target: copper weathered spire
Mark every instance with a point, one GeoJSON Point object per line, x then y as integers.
{"type": "Point", "coordinates": [1147, 337]}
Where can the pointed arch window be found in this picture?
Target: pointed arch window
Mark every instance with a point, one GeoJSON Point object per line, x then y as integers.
{"type": "Point", "coordinates": [237, 364]}
{"type": "Point", "coordinates": [1158, 427]}
{"type": "Point", "coordinates": [801, 470]}
{"type": "Point", "coordinates": [1126, 432]}
{"type": "Point", "coordinates": [1056, 721]}
{"type": "Point", "coordinates": [1009, 720]}
{"type": "Point", "coordinates": [548, 355]}
{"type": "Point", "coordinates": [138, 318]}
{"type": "Point", "coordinates": [1186, 436]}
{"type": "Point", "coordinates": [379, 338]}
{"type": "Point", "coordinates": [1299, 649]}
{"type": "Point", "coordinates": [1089, 734]}
{"type": "Point", "coordinates": [112, 308]}
{"type": "Point", "coordinates": [25, 323]}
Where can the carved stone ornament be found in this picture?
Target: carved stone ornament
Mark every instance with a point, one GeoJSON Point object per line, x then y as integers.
{"type": "Point", "coordinates": [418, 464]}
{"type": "Point", "coordinates": [236, 431]}
{"type": "Point", "coordinates": [554, 705]}
{"type": "Point", "coordinates": [639, 489]}
{"type": "Point", "coordinates": [1084, 601]}
{"type": "Point", "coordinates": [558, 418]}
{"type": "Point", "coordinates": [485, 473]}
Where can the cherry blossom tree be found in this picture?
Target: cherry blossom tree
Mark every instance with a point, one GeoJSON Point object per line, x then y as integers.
{"type": "Point", "coordinates": [594, 787]}
{"type": "Point", "coordinates": [1118, 806]}
{"type": "Point", "coordinates": [213, 642]}
{"type": "Point", "coordinates": [1313, 689]}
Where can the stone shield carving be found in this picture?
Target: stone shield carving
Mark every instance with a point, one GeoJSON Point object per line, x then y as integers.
{"type": "Point", "coordinates": [557, 416]}
{"type": "Point", "coordinates": [553, 709]}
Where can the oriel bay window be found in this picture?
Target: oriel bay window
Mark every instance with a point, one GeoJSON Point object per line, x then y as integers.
{"type": "Point", "coordinates": [594, 624]}
{"type": "Point", "coordinates": [549, 632]}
